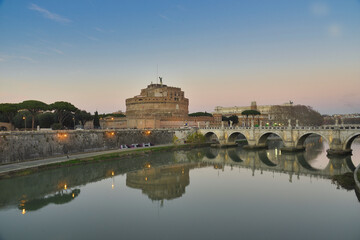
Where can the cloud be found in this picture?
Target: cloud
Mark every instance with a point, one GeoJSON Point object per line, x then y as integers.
{"type": "Point", "coordinates": [103, 30]}
{"type": "Point", "coordinates": [164, 17]}
{"type": "Point", "coordinates": [180, 7]}
{"type": "Point", "coordinates": [49, 15]}
{"type": "Point", "coordinates": [99, 29]}
{"type": "Point", "coordinates": [92, 38]}
{"type": "Point", "coordinates": [5, 58]}
{"type": "Point", "coordinates": [319, 9]}
{"type": "Point", "coordinates": [25, 58]}
{"type": "Point", "coordinates": [56, 50]}
{"type": "Point", "coordinates": [335, 30]}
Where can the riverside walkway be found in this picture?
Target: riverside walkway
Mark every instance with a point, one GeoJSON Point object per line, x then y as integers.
{"type": "Point", "coordinates": [13, 167]}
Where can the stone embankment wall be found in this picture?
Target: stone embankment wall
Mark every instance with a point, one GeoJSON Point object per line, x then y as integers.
{"type": "Point", "coordinates": [23, 146]}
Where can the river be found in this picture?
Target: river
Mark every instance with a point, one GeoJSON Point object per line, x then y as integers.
{"type": "Point", "coordinates": [201, 193]}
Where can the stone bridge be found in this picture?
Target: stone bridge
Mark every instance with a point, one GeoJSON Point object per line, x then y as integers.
{"type": "Point", "coordinates": [339, 137]}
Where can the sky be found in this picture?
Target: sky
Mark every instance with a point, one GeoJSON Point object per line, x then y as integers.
{"type": "Point", "coordinates": [95, 54]}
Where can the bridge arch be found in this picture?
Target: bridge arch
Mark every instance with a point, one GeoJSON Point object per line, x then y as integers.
{"type": "Point", "coordinates": [211, 153]}
{"type": "Point", "coordinates": [350, 140]}
{"type": "Point", "coordinates": [265, 159]}
{"type": "Point", "coordinates": [211, 137]}
{"type": "Point", "coordinates": [264, 137]}
{"type": "Point", "coordinates": [301, 141]}
{"type": "Point", "coordinates": [234, 156]}
{"type": "Point", "coordinates": [233, 136]}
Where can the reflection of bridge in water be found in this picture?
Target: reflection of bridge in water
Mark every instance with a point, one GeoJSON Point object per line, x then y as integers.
{"type": "Point", "coordinates": [339, 137]}
{"type": "Point", "coordinates": [262, 160]}
{"type": "Point", "coordinates": [161, 177]}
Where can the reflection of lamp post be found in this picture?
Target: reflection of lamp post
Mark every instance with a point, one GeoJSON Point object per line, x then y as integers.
{"type": "Point", "coordinates": [74, 122]}
{"type": "Point", "coordinates": [24, 118]}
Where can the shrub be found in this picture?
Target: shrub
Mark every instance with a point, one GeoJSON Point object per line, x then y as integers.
{"type": "Point", "coordinates": [56, 126]}
{"type": "Point", "coordinates": [195, 138]}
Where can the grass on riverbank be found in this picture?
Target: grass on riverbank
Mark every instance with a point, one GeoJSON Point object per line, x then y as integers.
{"type": "Point", "coordinates": [99, 158]}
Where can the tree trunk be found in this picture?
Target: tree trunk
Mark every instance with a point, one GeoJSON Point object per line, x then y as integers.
{"type": "Point", "coordinates": [32, 122]}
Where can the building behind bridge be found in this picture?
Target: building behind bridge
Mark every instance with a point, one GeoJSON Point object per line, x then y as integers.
{"type": "Point", "coordinates": [265, 116]}
{"type": "Point", "coordinates": [273, 114]}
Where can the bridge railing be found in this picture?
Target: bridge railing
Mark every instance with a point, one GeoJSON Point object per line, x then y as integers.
{"type": "Point", "coordinates": [324, 127]}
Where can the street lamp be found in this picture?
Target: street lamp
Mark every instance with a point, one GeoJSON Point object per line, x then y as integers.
{"type": "Point", "coordinates": [74, 122]}
{"type": "Point", "coordinates": [24, 118]}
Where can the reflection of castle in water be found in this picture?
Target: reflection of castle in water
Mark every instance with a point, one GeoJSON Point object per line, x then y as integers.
{"type": "Point", "coordinates": [166, 182]}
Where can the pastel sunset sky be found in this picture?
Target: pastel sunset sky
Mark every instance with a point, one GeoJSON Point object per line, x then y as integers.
{"type": "Point", "coordinates": [95, 54]}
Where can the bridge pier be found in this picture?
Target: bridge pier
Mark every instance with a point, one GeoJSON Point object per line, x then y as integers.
{"type": "Point", "coordinates": [255, 146]}
{"type": "Point", "coordinates": [336, 148]}
{"type": "Point", "coordinates": [339, 152]}
{"type": "Point", "coordinates": [292, 149]}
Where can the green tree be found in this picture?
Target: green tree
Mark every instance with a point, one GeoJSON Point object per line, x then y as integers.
{"type": "Point", "coordinates": [200, 114]}
{"type": "Point", "coordinates": [96, 120]}
{"type": "Point", "coordinates": [83, 116]}
{"type": "Point", "coordinates": [250, 112]}
{"type": "Point", "coordinates": [19, 121]}
{"type": "Point", "coordinates": [9, 110]}
{"type": "Point", "coordinates": [34, 107]}
{"type": "Point", "coordinates": [234, 119]}
{"type": "Point", "coordinates": [46, 119]}
{"type": "Point", "coordinates": [63, 110]}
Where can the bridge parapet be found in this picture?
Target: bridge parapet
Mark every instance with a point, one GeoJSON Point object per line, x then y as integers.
{"type": "Point", "coordinates": [324, 127]}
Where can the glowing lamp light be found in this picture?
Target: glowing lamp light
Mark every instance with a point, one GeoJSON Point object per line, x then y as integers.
{"type": "Point", "coordinates": [62, 135]}
{"type": "Point", "coordinates": [146, 178]}
{"type": "Point", "coordinates": [112, 186]}
{"type": "Point", "coordinates": [112, 173]}
{"type": "Point", "coordinates": [65, 186]}
{"type": "Point", "coordinates": [73, 195]}
{"type": "Point", "coordinates": [110, 134]}
{"type": "Point", "coordinates": [148, 165]}
{"type": "Point", "coordinates": [23, 211]}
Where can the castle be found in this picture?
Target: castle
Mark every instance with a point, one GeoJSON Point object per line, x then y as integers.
{"type": "Point", "coordinates": [158, 106]}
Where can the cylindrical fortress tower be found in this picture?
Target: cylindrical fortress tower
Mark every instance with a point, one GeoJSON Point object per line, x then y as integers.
{"type": "Point", "coordinates": [155, 102]}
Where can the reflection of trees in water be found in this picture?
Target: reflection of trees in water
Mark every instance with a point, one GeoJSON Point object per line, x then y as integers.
{"type": "Point", "coordinates": [346, 181]}
{"type": "Point", "coordinates": [52, 181]}
{"type": "Point", "coordinates": [61, 197]}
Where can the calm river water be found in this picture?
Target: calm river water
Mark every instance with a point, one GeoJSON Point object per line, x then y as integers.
{"type": "Point", "coordinates": [194, 194]}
